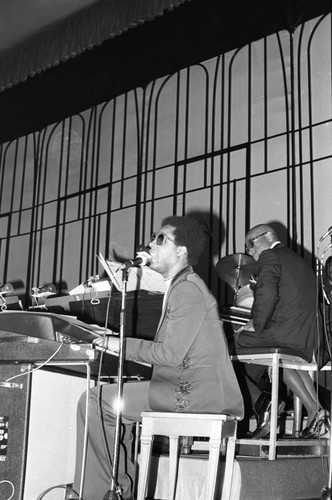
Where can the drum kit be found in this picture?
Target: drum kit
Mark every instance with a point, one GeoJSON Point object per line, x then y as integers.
{"type": "Point", "coordinates": [238, 271]}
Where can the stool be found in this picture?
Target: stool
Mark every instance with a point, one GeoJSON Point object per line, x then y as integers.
{"type": "Point", "coordinates": [275, 358]}
{"type": "Point", "coordinates": [221, 429]}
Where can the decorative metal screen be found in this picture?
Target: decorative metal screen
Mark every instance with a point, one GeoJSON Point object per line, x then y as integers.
{"type": "Point", "coordinates": [238, 140]}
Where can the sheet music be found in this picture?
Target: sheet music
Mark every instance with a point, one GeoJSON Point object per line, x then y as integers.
{"type": "Point", "coordinates": [112, 273]}
{"type": "Point", "coordinates": [139, 278]}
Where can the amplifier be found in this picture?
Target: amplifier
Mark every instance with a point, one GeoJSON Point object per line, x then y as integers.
{"type": "Point", "coordinates": [37, 432]}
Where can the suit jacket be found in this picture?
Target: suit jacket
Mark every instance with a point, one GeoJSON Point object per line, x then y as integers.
{"type": "Point", "coordinates": [192, 371]}
{"type": "Point", "coordinates": [284, 307]}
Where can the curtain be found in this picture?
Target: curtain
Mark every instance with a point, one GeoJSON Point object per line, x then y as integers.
{"type": "Point", "coordinates": [78, 33]}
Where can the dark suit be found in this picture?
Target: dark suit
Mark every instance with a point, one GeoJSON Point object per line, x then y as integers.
{"type": "Point", "coordinates": [284, 308]}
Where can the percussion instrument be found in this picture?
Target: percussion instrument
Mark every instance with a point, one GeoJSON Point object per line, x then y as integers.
{"type": "Point", "coordinates": [236, 269]}
{"type": "Point", "coordinates": [244, 297]}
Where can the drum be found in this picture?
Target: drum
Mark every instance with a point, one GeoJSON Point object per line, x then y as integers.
{"type": "Point", "coordinates": [244, 297]}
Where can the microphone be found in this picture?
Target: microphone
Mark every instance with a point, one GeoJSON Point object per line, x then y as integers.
{"type": "Point", "coordinates": [329, 231]}
{"type": "Point", "coordinates": [6, 288]}
{"type": "Point", "coordinates": [89, 282]}
{"type": "Point", "coordinates": [143, 258]}
{"type": "Point", "coordinates": [44, 290]}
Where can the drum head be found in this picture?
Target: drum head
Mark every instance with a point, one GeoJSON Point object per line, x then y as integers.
{"type": "Point", "coordinates": [244, 297]}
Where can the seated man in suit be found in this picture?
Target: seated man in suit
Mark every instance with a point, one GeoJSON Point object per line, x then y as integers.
{"type": "Point", "coordinates": [284, 314]}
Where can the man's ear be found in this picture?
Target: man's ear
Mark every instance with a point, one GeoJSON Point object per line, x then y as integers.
{"type": "Point", "coordinates": [182, 251]}
{"type": "Point", "coordinates": [269, 236]}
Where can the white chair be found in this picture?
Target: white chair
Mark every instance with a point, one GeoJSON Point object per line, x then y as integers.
{"type": "Point", "coordinates": [276, 358]}
{"type": "Point", "coordinates": [221, 430]}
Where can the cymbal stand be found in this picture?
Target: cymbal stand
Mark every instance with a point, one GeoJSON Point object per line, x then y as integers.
{"type": "Point", "coordinates": [327, 489]}
{"type": "Point", "coordinates": [115, 492]}
{"type": "Point", "coordinates": [237, 275]}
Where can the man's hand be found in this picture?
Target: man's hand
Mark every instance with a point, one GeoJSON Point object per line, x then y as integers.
{"type": "Point", "coordinates": [111, 343]}
{"type": "Point", "coordinates": [248, 327]}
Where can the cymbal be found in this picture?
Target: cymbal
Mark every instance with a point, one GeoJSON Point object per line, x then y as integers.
{"type": "Point", "coordinates": [236, 269]}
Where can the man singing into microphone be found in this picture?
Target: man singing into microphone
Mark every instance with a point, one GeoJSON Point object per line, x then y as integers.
{"type": "Point", "coordinates": [192, 371]}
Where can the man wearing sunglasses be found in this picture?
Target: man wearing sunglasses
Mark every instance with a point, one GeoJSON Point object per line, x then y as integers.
{"type": "Point", "coordinates": [192, 371]}
{"type": "Point", "coordinates": [283, 315]}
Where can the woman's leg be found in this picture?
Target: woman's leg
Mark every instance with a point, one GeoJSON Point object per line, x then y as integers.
{"type": "Point", "coordinates": [301, 384]}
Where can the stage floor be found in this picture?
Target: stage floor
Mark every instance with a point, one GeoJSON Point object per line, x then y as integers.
{"type": "Point", "coordinates": [254, 478]}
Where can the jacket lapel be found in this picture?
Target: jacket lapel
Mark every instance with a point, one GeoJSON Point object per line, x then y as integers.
{"type": "Point", "coordinates": [178, 277]}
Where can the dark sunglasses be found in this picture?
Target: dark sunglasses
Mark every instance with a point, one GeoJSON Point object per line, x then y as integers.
{"type": "Point", "coordinates": [250, 244]}
{"type": "Point", "coordinates": [160, 238]}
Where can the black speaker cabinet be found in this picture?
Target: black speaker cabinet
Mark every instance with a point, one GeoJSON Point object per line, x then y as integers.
{"type": "Point", "coordinates": [37, 431]}
{"type": "Point", "coordinates": [14, 417]}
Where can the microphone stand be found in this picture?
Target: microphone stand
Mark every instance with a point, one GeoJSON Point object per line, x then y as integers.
{"type": "Point", "coordinates": [115, 491]}
{"type": "Point", "coordinates": [327, 489]}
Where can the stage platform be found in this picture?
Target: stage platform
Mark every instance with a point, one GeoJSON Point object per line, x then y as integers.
{"type": "Point", "coordinates": [300, 471]}
{"type": "Point", "coordinates": [254, 478]}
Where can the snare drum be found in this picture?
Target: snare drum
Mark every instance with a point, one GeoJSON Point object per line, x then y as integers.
{"type": "Point", "coordinates": [244, 297]}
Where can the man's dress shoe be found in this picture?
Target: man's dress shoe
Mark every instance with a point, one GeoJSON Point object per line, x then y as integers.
{"type": "Point", "coordinates": [70, 493]}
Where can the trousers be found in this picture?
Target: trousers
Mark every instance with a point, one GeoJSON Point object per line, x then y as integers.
{"type": "Point", "coordinates": [96, 479]}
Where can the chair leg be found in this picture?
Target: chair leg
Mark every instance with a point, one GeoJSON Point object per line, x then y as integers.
{"type": "Point", "coordinates": [135, 457]}
{"type": "Point", "coordinates": [214, 456]}
{"type": "Point", "coordinates": [146, 448]}
{"type": "Point", "coordinates": [274, 407]}
{"type": "Point", "coordinates": [229, 467]}
{"type": "Point", "coordinates": [173, 465]}
{"type": "Point", "coordinates": [297, 422]}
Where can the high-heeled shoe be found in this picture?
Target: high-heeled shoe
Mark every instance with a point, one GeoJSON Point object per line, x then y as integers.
{"type": "Point", "coordinates": [318, 426]}
{"type": "Point", "coordinates": [262, 411]}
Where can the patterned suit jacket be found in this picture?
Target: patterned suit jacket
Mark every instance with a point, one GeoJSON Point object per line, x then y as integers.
{"type": "Point", "coordinates": [192, 371]}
